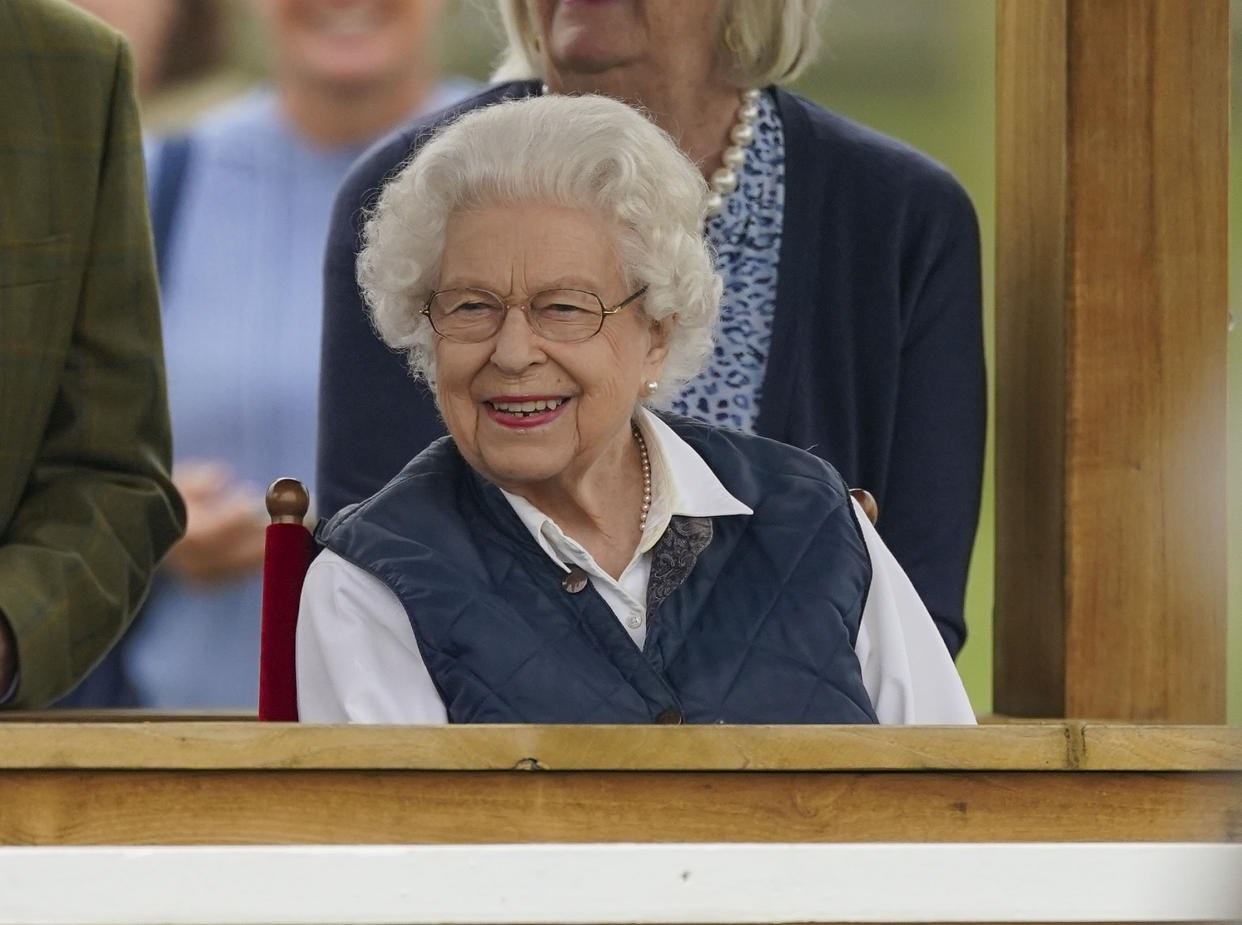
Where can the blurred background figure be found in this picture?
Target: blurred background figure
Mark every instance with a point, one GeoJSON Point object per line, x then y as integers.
{"type": "Point", "coordinates": [240, 205]}
{"type": "Point", "coordinates": [182, 53]}
{"type": "Point", "coordinates": [149, 27]}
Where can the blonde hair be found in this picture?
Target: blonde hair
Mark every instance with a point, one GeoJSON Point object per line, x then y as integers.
{"type": "Point", "coordinates": [759, 42]}
{"type": "Point", "coordinates": [587, 152]}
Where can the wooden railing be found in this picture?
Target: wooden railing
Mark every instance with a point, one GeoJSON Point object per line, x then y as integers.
{"type": "Point", "coordinates": [142, 783]}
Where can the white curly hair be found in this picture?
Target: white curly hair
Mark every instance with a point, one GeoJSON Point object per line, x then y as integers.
{"type": "Point", "coordinates": [588, 152]}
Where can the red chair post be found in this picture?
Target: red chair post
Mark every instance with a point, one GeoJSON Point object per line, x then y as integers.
{"type": "Point", "coordinates": [287, 555]}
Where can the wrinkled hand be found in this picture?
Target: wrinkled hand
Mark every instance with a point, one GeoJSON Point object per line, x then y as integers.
{"type": "Point", "coordinates": [225, 525]}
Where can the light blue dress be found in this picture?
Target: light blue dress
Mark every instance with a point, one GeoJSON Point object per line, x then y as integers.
{"type": "Point", "coordinates": [242, 316]}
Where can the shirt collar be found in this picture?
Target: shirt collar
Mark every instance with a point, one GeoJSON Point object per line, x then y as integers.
{"type": "Point", "coordinates": [682, 484]}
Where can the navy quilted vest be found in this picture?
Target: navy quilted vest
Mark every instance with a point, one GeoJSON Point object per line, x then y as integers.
{"type": "Point", "coordinates": [760, 631]}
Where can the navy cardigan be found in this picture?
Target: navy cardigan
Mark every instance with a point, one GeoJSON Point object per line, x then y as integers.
{"type": "Point", "coordinates": [876, 360]}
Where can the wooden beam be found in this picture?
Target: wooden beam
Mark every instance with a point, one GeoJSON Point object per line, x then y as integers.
{"type": "Point", "coordinates": [109, 807]}
{"type": "Point", "coordinates": [271, 783]}
{"type": "Point", "coordinates": [1112, 168]}
{"type": "Point", "coordinates": [214, 746]}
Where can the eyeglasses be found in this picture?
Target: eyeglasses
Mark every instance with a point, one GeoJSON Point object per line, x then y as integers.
{"type": "Point", "coordinates": [470, 316]}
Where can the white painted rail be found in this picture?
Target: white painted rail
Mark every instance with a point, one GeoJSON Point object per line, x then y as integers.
{"type": "Point", "coordinates": [627, 883]}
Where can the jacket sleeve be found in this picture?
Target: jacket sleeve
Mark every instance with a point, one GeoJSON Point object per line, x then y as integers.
{"type": "Point", "coordinates": [931, 510]}
{"type": "Point", "coordinates": [98, 510]}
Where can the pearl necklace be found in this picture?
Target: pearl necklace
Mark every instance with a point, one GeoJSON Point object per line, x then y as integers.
{"type": "Point", "coordinates": [646, 463]}
{"type": "Point", "coordinates": [724, 179]}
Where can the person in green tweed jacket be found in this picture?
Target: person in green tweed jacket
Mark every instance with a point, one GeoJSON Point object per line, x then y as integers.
{"type": "Point", "coordinates": [87, 508]}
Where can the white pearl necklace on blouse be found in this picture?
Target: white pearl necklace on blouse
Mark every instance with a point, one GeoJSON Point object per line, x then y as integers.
{"type": "Point", "coordinates": [646, 464]}
{"type": "Point", "coordinates": [724, 179]}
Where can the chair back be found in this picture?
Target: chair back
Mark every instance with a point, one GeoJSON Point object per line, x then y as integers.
{"type": "Point", "coordinates": [287, 555]}
{"type": "Point", "coordinates": [867, 502]}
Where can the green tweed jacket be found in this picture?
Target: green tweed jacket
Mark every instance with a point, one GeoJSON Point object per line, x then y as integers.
{"type": "Point", "coordinates": [86, 505]}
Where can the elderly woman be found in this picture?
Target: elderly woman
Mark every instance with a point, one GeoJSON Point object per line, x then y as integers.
{"type": "Point", "coordinates": [851, 320]}
{"type": "Point", "coordinates": [566, 555]}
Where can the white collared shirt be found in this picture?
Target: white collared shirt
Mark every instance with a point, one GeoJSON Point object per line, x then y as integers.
{"type": "Point", "coordinates": [357, 660]}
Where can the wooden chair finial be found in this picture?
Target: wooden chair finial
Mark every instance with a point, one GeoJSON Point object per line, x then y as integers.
{"type": "Point", "coordinates": [287, 501]}
{"type": "Point", "coordinates": [867, 502]}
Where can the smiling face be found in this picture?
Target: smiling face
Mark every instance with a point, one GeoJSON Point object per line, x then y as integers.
{"type": "Point", "coordinates": [582, 394]}
{"type": "Point", "coordinates": [349, 43]}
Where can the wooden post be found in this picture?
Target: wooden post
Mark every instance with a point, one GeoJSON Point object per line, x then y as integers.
{"type": "Point", "coordinates": [1111, 304]}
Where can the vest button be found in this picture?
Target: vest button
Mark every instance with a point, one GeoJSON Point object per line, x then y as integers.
{"type": "Point", "coordinates": [575, 581]}
{"type": "Point", "coordinates": [669, 716]}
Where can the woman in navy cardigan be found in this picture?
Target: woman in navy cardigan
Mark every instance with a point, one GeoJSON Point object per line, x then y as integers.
{"type": "Point", "coordinates": [851, 324]}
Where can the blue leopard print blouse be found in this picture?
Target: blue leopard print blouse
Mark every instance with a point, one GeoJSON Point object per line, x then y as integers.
{"type": "Point", "coordinates": [746, 236]}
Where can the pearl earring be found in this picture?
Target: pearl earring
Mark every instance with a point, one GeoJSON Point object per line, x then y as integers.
{"type": "Point", "coordinates": [652, 386]}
